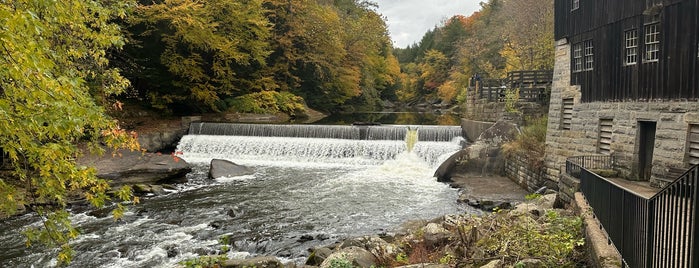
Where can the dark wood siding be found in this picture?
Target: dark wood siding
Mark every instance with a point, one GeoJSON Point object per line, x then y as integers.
{"type": "Point", "coordinates": [674, 76]}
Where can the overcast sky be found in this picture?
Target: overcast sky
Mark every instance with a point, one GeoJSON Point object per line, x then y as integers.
{"type": "Point", "coordinates": [408, 20]}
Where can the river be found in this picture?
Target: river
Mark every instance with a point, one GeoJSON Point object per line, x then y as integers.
{"type": "Point", "coordinates": [305, 192]}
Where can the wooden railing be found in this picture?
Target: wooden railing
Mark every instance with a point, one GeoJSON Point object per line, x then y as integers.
{"type": "Point", "coordinates": [661, 231]}
{"type": "Point", "coordinates": [532, 85]}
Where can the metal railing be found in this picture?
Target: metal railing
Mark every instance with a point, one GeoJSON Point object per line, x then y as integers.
{"type": "Point", "coordinates": [661, 231]}
{"type": "Point", "coordinates": [674, 226]}
{"type": "Point", "coordinates": [574, 165]}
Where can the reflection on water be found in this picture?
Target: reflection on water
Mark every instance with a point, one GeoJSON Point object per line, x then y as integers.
{"type": "Point", "coordinates": [397, 118]}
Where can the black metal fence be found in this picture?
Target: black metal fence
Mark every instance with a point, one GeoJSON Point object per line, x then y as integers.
{"type": "Point", "coordinates": [658, 232]}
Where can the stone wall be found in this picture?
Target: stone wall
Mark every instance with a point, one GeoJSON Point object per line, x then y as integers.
{"type": "Point", "coordinates": [518, 170]}
{"type": "Point", "coordinates": [472, 129]}
{"type": "Point", "coordinates": [672, 120]}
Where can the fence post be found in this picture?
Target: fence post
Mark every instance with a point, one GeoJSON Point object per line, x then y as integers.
{"type": "Point", "coordinates": [694, 261]}
{"type": "Point", "coordinates": [650, 233]}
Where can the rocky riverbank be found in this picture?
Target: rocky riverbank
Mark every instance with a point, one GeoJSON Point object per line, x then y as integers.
{"type": "Point", "coordinates": [532, 234]}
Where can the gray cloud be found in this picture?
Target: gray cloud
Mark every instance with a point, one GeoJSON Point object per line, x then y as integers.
{"type": "Point", "coordinates": [408, 20]}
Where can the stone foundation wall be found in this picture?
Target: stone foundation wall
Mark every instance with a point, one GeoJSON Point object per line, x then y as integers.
{"type": "Point", "coordinates": [672, 120]}
{"type": "Point", "coordinates": [518, 170]}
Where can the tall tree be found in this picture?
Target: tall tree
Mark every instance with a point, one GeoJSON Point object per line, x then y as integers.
{"type": "Point", "coordinates": [213, 49]}
{"type": "Point", "coordinates": [54, 69]}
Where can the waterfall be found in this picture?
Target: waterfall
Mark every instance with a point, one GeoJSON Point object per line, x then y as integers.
{"type": "Point", "coordinates": [384, 132]}
{"type": "Point", "coordinates": [270, 130]}
{"type": "Point", "coordinates": [317, 144]}
{"type": "Point", "coordinates": [411, 137]}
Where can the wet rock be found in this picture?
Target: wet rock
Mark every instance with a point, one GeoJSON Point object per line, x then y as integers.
{"type": "Point", "coordinates": [318, 255]}
{"type": "Point", "coordinates": [157, 190]}
{"type": "Point", "coordinates": [217, 224]}
{"type": "Point", "coordinates": [234, 212]}
{"type": "Point", "coordinates": [100, 213]}
{"type": "Point", "coordinates": [141, 188]}
{"type": "Point", "coordinates": [357, 256]}
{"type": "Point", "coordinates": [169, 187]}
{"type": "Point", "coordinates": [305, 238]}
{"type": "Point", "coordinates": [172, 251]}
{"type": "Point", "coordinates": [322, 237]}
{"type": "Point", "coordinates": [259, 262]}
{"type": "Point", "coordinates": [224, 168]}
{"type": "Point", "coordinates": [493, 205]}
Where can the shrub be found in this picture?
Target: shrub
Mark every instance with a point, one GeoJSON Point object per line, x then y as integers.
{"type": "Point", "coordinates": [267, 102]}
{"type": "Point", "coordinates": [530, 143]}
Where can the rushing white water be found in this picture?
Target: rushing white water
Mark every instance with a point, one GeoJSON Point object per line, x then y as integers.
{"type": "Point", "coordinates": [317, 152]}
{"type": "Point", "coordinates": [324, 188]}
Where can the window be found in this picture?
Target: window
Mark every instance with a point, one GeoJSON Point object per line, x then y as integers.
{"type": "Point", "coordinates": [652, 42]}
{"type": "Point", "coordinates": [631, 47]}
{"type": "Point", "coordinates": [693, 144]}
{"type": "Point", "coordinates": [576, 4]}
{"type": "Point", "coordinates": [583, 56]}
{"type": "Point", "coordinates": [577, 57]}
{"type": "Point", "coordinates": [567, 119]}
{"type": "Point", "coordinates": [604, 145]}
{"type": "Point", "coordinates": [588, 55]}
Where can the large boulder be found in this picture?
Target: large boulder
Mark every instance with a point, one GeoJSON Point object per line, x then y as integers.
{"type": "Point", "coordinates": [318, 255]}
{"type": "Point", "coordinates": [135, 167]}
{"type": "Point", "coordinates": [224, 168]}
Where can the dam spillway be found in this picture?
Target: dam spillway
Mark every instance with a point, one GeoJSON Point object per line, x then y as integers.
{"type": "Point", "coordinates": [352, 132]}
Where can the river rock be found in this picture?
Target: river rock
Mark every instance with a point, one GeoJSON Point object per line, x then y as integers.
{"type": "Point", "coordinates": [161, 140]}
{"type": "Point", "coordinates": [318, 255]}
{"type": "Point", "coordinates": [259, 262]}
{"type": "Point", "coordinates": [436, 235]}
{"type": "Point", "coordinates": [374, 244]}
{"type": "Point", "coordinates": [224, 168]}
{"type": "Point", "coordinates": [357, 256]}
{"type": "Point", "coordinates": [135, 167]}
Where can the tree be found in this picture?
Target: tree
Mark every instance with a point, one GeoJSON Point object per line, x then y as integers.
{"type": "Point", "coordinates": [53, 72]}
{"type": "Point", "coordinates": [213, 49]}
{"type": "Point", "coordinates": [531, 49]}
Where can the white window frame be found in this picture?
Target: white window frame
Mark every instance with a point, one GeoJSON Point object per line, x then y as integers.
{"type": "Point", "coordinates": [588, 56]}
{"type": "Point", "coordinates": [651, 39]}
{"type": "Point", "coordinates": [631, 47]}
{"type": "Point", "coordinates": [575, 4]}
{"type": "Point", "coordinates": [577, 57]}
